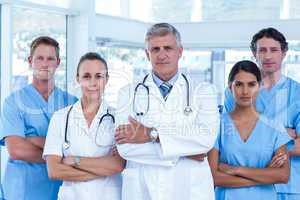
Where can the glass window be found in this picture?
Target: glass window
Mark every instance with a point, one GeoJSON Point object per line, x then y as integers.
{"type": "Point", "coordinates": [57, 3]}
{"type": "Point", "coordinates": [125, 64]}
{"type": "Point", "coordinates": [197, 64]}
{"type": "Point", "coordinates": [108, 7]}
{"type": "Point", "coordinates": [294, 6]}
{"type": "Point", "coordinates": [27, 25]}
{"type": "Point", "coordinates": [240, 10]}
{"type": "Point", "coordinates": [292, 61]}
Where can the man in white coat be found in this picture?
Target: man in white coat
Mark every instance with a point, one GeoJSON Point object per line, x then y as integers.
{"type": "Point", "coordinates": [166, 126]}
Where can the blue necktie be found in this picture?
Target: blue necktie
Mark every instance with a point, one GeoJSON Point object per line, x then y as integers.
{"type": "Point", "coordinates": [165, 89]}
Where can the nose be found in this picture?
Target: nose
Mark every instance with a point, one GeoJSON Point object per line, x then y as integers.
{"type": "Point", "coordinates": [245, 90]}
{"type": "Point", "coordinates": [92, 82]}
{"type": "Point", "coordinates": [268, 55]}
{"type": "Point", "coordinates": [162, 54]}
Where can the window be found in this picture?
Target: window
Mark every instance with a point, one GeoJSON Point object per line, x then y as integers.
{"type": "Point", "coordinates": [27, 25]}
{"type": "Point", "coordinates": [108, 7]}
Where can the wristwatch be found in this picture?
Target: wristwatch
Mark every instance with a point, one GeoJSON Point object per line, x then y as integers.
{"type": "Point", "coordinates": [77, 160]}
{"type": "Point", "coordinates": [153, 135]}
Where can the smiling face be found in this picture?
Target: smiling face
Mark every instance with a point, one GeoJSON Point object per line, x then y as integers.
{"type": "Point", "coordinates": [269, 55]}
{"type": "Point", "coordinates": [92, 78]}
{"type": "Point", "coordinates": [44, 62]}
{"type": "Point", "coordinates": [164, 54]}
{"type": "Point", "coordinates": [244, 88]}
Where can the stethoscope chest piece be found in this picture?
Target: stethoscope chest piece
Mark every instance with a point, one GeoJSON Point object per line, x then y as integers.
{"type": "Point", "coordinates": [187, 110]}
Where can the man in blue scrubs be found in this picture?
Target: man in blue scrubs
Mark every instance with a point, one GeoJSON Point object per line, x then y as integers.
{"type": "Point", "coordinates": [26, 115]}
{"type": "Point", "coordinates": [279, 98]}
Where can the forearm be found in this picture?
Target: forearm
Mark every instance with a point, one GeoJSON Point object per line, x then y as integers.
{"type": "Point", "coordinates": [64, 172]}
{"type": "Point", "coordinates": [102, 166]}
{"type": "Point", "coordinates": [225, 180]}
{"type": "Point", "coordinates": [263, 175]}
{"type": "Point", "coordinates": [37, 141]}
{"type": "Point", "coordinates": [24, 150]}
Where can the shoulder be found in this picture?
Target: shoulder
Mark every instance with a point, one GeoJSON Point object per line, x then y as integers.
{"type": "Point", "coordinates": [66, 95]}
{"type": "Point", "coordinates": [272, 124]}
{"type": "Point", "coordinates": [18, 94]}
{"type": "Point", "coordinates": [61, 113]}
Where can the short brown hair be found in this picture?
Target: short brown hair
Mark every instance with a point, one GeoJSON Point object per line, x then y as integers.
{"type": "Point", "coordinates": [44, 40]}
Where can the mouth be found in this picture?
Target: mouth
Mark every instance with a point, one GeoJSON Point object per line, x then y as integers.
{"type": "Point", "coordinates": [245, 98]}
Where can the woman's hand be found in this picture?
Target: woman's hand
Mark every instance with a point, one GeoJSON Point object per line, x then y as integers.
{"type": "Point", "coordinates": [69, 160]}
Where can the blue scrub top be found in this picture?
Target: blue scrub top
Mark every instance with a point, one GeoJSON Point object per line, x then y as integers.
{"type": "Point", "coordinates": [281, 102]}
{"type": "Point", "coordinates": [266, 137]}
{"type": "Point", "coordinates": [26, 113]}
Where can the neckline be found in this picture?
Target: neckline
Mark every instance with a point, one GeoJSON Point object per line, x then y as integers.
{"type": "Point", "coordinates": [248, 140]}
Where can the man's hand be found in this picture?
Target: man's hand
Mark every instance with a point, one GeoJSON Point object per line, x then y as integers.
{"type": "Point", "coordinates": [134, 132]}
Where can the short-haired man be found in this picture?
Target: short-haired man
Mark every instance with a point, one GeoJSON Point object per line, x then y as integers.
{"type": "Point", "coordinates": [26, 115]}
{"type": "Point", "coordinates": [171, 123]}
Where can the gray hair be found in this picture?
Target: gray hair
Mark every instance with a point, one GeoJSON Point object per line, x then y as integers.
{"type": "Point", "coordinates": [160, 30]}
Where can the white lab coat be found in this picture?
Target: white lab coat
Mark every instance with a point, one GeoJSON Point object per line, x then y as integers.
{"type": "Point", "coordinates": [160, 171]}
{"type": "Point", "coordinates": [82, 143]}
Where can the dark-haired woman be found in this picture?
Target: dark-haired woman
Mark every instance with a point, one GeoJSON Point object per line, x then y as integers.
{"type": "Point", "coordinates": [249, 156]}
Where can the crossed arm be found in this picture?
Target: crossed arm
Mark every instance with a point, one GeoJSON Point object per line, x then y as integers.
{"type": "Point", "coordinates": [28, 149]}
{"type": "Point", "coordinates": [225, 175]}
{"type": "Point", "coordinates": [89, 168]}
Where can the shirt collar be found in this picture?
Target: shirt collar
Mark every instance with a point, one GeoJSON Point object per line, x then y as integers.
{"type": "Point", "coordinates": [158, 81]}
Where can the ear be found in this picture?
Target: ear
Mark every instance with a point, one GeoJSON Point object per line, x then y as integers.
{"type": "Point", "coordinates": [58, 62]}
{"type": "Point", "coordinates": [254, 55]}
{"type": "Point", "coordinates": [283, 54]}
{"type": "Point", "coordinates": [230, 87]}
{"type": "Point", "coordinates": [30, 60]}
{"type": "Point", "coordinates": [77, 78]}
{"type": "Point", "coordinates": [180, 51]}
{"type": "Point", "coordinates": [147, 54]}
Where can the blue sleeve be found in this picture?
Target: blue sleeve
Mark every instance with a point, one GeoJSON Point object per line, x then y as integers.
{"type": "Point", "coordinates": [282, 137]}
{"type": "Point", "coordinates": [218, 141]}
{"type": "Point", "coordinates": [12, 120]}
{"type": "Point", "coordinates": [228, 101]}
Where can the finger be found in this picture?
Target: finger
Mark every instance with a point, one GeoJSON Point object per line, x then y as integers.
{"type": "Point", "coordinates": [132, 121]}
{"type": "Point", "coordinates": [120, 137]}
{"type": "Point", "coordinates": [123, 127]}
{"type": "Point", "coordinates": [122, 141]}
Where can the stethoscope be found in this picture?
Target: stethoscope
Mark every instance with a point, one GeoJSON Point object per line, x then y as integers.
{"type": "Point", "coordinates": [187, 110]}
{"type": "Point", "coordinates": [67, 144]}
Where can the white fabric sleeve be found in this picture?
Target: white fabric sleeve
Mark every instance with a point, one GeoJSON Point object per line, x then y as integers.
{"type": "Point", "coordinates": [147, 153]}
{"type": "Point", "coordinates": [196, 136]}
{"type": "Point", "coordinates": [55, 136]}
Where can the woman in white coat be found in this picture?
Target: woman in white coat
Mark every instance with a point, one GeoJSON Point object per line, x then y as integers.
{"type": "Point", "coordinates": [79, 147]}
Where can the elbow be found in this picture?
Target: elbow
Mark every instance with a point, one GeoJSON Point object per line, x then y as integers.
{"type": "Point", "coordinates": [53, 174]}
{"type": "Point", "coordinates": [118, 168]}
{"type": "Point", "coordinates": [284, 178]}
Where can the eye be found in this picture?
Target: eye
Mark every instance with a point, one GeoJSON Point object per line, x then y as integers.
{"type": "Point", "coordinates": [238, 84]}
{"type": "Point", "coordinates": [168, 48]}
{"type": "Point", "coordinates": [155, 49]}
{"type": "Point", "coordinates": [86, 76]}
{"type": "Point", "coordinates": [252, 84]}
{"type": "Point", "coordinates": [100, 76]}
